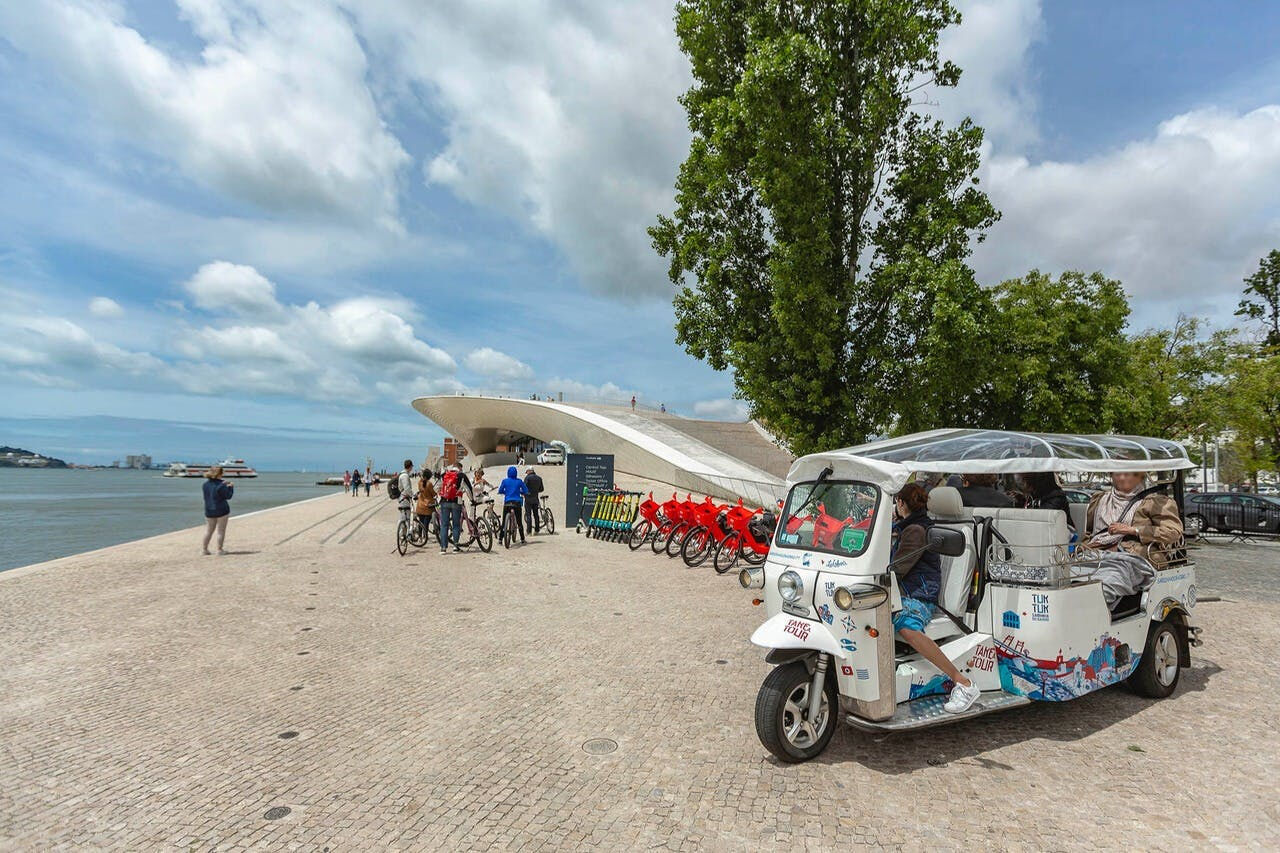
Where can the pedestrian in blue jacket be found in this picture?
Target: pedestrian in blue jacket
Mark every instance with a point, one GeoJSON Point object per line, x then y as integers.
{"type": "Point", "coordinates": [513, 491]}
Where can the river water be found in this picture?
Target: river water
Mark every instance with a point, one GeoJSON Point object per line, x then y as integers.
{"type": "Point", "coordinates": [54, 513]}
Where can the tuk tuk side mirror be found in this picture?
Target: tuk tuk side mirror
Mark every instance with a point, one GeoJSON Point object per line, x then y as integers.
{"type": "Point", "coordinates": [945, 541]}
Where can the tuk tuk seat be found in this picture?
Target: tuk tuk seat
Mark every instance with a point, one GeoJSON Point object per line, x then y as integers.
{"type": "Point", "coordinates": [1035, 537]}
{"type": "Point", "coordinates": [946, 510]}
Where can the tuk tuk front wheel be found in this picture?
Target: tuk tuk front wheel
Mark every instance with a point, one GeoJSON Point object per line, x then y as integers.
{"type": "Point", "coordinates": [782, 713]}
{"type": "Point", "coordinates": [1158, 670]}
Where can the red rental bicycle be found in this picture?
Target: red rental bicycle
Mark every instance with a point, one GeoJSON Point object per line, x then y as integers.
{"type": "Point", "coordinates": [740, 541]}
{"type": "Point", "coordinates": [648, 525]}
{"type": "Point", "coordinates": [706, 532]}
{"type": "Point", "coordinates": [684, 519]}
{"type": "Point", "coordinates": [668, 514]}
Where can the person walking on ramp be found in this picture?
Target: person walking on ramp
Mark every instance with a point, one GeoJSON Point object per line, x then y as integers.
{"type": "Point", "coordinates": [217, 493]}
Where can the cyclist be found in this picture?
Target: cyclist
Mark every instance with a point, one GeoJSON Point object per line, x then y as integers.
{"type": "Point", "coordinates": [453, 484]}
{"type": "Point", "coordinates": [533, 504]}
{"type": "Point", "coordinates": [512, 490]}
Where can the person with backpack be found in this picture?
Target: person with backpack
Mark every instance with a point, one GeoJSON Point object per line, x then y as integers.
{"type": "Point", "coordinates": [513, 490]}
{"type": "Point", "coordinates": [452, 485]}
{"type": "Point", "coordinates": [533, 503]}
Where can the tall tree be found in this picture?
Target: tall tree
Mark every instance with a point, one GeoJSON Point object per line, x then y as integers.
{"type": "Point", "coordinates": [1262, 297]}
{"type": "Point", "coordinates": [820, 218]}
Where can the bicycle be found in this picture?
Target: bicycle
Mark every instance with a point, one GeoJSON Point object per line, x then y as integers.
{"type": "Point", "coordinates": [508, 531]}
{"type": "Point", "coordinates": [475, 530]}
{"type": "Point", "coordinates": [404, 530]}
{"type": "Point", "coordinates": [545, 515]}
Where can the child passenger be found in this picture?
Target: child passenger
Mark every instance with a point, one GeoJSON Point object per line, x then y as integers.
{"type": "Point", "coordinates": [919, 574]}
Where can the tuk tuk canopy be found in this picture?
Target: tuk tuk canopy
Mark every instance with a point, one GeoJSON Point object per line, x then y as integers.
{"type": "Point", "coordinates": [890, 462]}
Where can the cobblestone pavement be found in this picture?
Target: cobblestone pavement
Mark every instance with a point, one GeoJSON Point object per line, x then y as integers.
{"type": "Point", "coordinates": [153, 698]}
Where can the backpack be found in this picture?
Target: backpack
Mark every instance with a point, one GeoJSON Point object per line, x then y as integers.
{"type": "Point", "coordinates": [449, 486]}
{"type": "Point", "coordinates": [393, 488]}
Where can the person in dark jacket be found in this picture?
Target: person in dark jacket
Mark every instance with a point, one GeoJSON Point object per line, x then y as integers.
{"type": "Point", "coordinates": [1043, 492]}
{"type": "Point", "coordinates": [919, 572]}
{"type": "Point", "coordinates": [980, 490]}
{"type": "Point", "coordinates": [533, 503]}
{"type": "Point", "coordinates": [355, 483]}
{"type": "Point", "coordinates": [217, 493]}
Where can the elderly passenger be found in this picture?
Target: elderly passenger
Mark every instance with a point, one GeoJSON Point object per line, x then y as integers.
{"type": "Point", "coordinates": [1118, 520]}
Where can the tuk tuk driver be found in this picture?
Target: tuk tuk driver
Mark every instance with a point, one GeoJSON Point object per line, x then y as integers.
{"type": "Point", "coordinates": [919, 581]}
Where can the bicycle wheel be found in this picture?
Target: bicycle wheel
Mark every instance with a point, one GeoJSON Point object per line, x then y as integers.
{"type": "Point", "coordinates": [467, 534]}
{"type": "Point", "coordinates": [484, 536]}
{"type": "Point", "coordinates": [727, 553]}
{"type": "Point", "coordinates": [402, 537]}
{"type": "Point", "coordinates": [639, 534]}
{"type": "Point", "coordinates": [659, 538]}
{"type": "Point", "coordinates": [753, 557]}
{"type": "Point", "coordinates": [696, 547]}
{"type": "Point", "coordinates": [675, 539]}
{"type": "Point", "coordinates": [433, 528]}
{"type": "Point", "coordinates": [417, 534]}
{"type": "Point", "coordinates": [509, 531]}
{"type": "Point", "coordinates": [548, 520]}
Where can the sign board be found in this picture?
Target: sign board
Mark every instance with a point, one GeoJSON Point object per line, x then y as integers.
{"type": "Point", "coordinates": [592, 471]}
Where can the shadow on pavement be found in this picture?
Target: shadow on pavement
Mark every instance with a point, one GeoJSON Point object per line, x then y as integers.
{"type": "Point", "coordinates": [967, 741]}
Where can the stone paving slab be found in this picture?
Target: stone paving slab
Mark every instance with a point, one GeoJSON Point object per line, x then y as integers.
{"type": "Point", "coordinates": [442, 702]}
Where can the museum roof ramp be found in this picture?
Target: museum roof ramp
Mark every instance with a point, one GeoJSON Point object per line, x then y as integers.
{"type": "Point", "coordinates": [726, 459]}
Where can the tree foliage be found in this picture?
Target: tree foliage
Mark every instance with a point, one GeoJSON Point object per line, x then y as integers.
{"type": "Point", "coordinates": [821, 223]}
{"type": "Point", "coordinates": [1261, 300]}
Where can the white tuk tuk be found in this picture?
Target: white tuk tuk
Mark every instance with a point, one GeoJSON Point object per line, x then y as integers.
{"type": "Point", "coordinates": [1021, 610]}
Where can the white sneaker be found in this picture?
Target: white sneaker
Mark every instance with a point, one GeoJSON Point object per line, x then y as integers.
{"type": "Point", "coordinates": [962, 698]}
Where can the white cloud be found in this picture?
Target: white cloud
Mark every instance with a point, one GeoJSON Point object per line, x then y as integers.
{"type": "Point", "coordinates": [1179, 217]}
{"type": "Point", "coordinates": [560, 116]}
{"type": "Point", "coordinates": [275, 110]}
{"type": "Point", "coordinates": [722, 409]}
{"type": "Point", "coordinates": [493, 364]}
{"type": "Point", "coordinates": [225, 286]}
{"type": "Point", "coordinates": [992, 46]}
{"type": "Point", "coordinates": [105, 307]}
{"type": "Point", "coordinates": [361, 349]}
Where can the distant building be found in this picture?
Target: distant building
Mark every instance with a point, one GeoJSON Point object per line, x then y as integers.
{"type": "Point", "coordinates": [142, 460]}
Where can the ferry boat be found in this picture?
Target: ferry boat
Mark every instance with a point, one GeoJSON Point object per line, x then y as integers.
{"type": "Point", "coordinates": [231, 468]}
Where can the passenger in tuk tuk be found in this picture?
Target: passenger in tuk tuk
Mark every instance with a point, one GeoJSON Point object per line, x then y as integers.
{"type": "Point", "coordinates": [1043, 492]}
{"type": "Point", "coordinates": [1123, 518]}
{"type": "Point", "coordinates": [919, 574]}
{"type": "Point", "coordinates": [980, 490]}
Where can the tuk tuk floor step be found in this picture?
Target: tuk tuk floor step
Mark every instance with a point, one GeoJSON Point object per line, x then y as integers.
{"type": "Point", "coordinates": [927, 711]}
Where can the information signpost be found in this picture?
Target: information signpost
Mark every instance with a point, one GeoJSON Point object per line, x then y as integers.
{"type": "Point", "coordinates": [591, 472]}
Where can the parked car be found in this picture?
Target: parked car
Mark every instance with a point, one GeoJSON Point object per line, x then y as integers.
{"type": "Point", "coordinates": [553, 455]}
{"type": "Point", "coordinates": [1231, 512]}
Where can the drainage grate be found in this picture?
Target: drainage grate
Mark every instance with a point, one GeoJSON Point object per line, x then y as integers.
{"type": "Point", "coordinates": [462, 610]}
{"type": "Point", "coordinates": [299, 687]}
{"type": "Point", "coordinates": [308, 608]}
{"type": "Point", "coordinates": [277, 812]}
{"type": "Point", "coordinates": [599, 746]}
{"type": "Point", "coordinates": [304, 653]}
{"type": "Point", "coordinates": [287, 735]}
{"type": "Point", "coordinates": [721, 661]}
{"type": "Point", "coordinates": [307, 629]}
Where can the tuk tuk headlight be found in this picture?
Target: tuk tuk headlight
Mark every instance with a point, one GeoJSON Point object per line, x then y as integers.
{"type": "Point", "coordinates": [751, 578]}
{"type": "Point", "coordinates": [860, 596]}
{"type": "Point", "coordinates": [790, 587]}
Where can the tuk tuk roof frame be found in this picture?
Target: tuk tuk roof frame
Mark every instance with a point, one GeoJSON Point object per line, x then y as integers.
{"type": "Point", "coordinates": [889, 463]}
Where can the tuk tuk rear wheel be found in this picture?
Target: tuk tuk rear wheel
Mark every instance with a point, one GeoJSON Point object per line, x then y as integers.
{"type": "Point", "coordinates": [782, 710]}
{"type": "Point", "coordinates": [1158, 670]}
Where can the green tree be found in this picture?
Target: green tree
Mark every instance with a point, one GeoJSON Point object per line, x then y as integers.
{"type": "Point", "coordinates": [1173, 376]}
{"type": "Point", "coordinates": [820, 219]}
{"type": "Point", "coordinates": [1250, 399]}
{"type": "Point", "coordinates": [1055, 351]}
{"type": "Point", "coordinates": [1261, 300]}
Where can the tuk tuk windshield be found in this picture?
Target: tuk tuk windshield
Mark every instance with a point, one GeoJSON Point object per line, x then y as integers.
{"type": "Point", "coordinates": [833, 516]}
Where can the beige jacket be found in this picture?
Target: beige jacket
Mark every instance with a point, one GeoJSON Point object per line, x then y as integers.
{"type": "Point", "coordinates": [1159, 526]}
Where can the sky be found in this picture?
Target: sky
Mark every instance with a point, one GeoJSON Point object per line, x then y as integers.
{"type": "Point", "coordinates": [261, 227]}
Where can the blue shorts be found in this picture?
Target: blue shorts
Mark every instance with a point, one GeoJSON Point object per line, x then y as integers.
{"type": "Point", "coordinates": [915, 614]}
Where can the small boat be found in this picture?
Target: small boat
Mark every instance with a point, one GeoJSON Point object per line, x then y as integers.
{"type": "Point", "coordinates": [231, 468]}
{"type": "Point", "coordinates": [330, 481]}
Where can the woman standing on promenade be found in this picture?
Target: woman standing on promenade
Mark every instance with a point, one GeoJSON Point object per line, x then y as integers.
{"type": "Point", "coordinates": [355, 482]}
{"type": "Point", "coordinates": [346, 481]}
{"type": "Point", "coordinates": [217, 492]}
